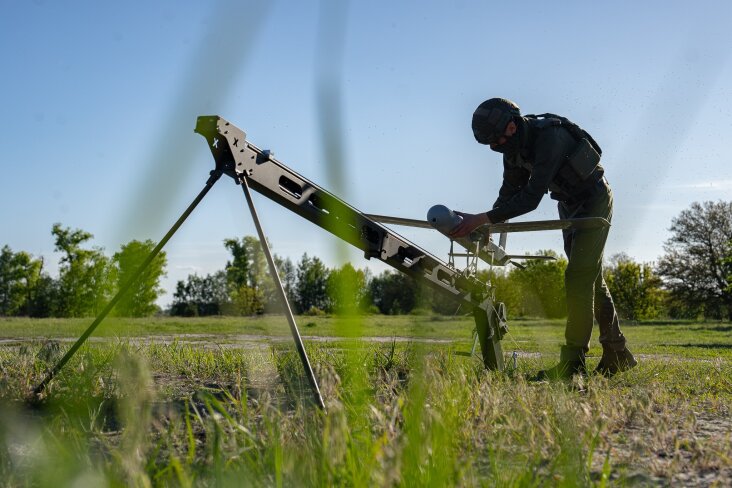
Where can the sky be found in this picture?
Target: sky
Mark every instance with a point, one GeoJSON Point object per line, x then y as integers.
{"type": "Point", "coordinates": [370, 100]}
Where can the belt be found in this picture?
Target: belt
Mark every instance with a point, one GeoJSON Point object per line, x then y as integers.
{"type": "Point", "coordinates": [589, 192]}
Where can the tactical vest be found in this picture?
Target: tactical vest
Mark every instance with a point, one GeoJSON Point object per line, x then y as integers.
{"type": "Point", "coordinates": [582, 166]}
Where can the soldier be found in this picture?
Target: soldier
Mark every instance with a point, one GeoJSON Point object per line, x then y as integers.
{"type": "Point", "coordinates": [549, 153]}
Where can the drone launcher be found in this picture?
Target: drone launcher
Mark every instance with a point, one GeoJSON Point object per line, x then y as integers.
{"type": "Point", "coordinates": [238, 158]}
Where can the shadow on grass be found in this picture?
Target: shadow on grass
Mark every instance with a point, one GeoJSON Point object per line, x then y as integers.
{"type": "Point", "coordinates": [702, 346]}
{"type": "Point", "coordinates": [719, 328]}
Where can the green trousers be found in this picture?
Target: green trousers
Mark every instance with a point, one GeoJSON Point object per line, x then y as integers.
{"type": "Point", "coordinates": [587, 293]}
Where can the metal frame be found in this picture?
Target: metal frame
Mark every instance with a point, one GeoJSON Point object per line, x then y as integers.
{"type": "Point", "coordinates": [237, 158]}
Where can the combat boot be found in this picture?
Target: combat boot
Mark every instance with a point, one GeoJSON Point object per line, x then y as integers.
{"type": "Point", "coordinates": [614, 362]}
{"type": "Point", "coordinates": [571, 363]}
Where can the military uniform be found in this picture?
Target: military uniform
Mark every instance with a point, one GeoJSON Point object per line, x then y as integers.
{"type": "Point", "coordinates": [538, 165]}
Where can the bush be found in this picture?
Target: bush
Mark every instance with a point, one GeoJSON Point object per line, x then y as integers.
{"type": "Point", "coordinates": [314, 312]}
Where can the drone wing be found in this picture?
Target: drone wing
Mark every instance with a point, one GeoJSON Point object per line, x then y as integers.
{"type": "Point", "coordinates": [538, 225]}
{"type": "Point", "coordinates": [488, 250]}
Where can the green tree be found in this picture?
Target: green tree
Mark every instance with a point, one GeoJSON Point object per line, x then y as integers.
{"type": "Point", "coordinates": [44, 299]}
{"type": "Point", "coordinates": [244, 300]}
{"type": "Point", "coordinates": [238, 270]}
{"type": "Point", "coordinates": [201, 296]}
{"type": "Point", "coordinates": [541, 285]}
{"type": "Point", "coordinates": [694, 268]}
{"type": "Point", "coordinates": [288, 276]}
{"type": "Point", "coordinates": [347, 289]}
{"type": "Point", "coordinates": [139, 301]}
{"type": "Point", "coordinates": [85, 275]}
{"type": "Point", "coordinates": [250, 284]}
{"type": "Point", "coordinates": [635, 288]}
{"type": "Point", "coordinates": [311, 291]}
{"type": "Point", "coordinates": [394, 293]}
{"type": "Point", "coordinates": [507, 289]}
{"type": "Point", "coordinates": [19, 275]}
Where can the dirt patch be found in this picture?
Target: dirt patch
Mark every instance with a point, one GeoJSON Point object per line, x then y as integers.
{"type": "Point", "coordinates": [685, 453]}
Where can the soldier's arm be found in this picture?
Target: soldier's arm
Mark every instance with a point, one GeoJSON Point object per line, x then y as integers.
{"type": "Point", "coordinates": [551, 149]}
{"type": "Point", "coordinates": [514, 178]}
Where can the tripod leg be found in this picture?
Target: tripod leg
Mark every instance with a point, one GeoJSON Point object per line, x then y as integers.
{"type": "Point", "coordinates": [215, 175]}
{"type": "Point", "coordinates": [281, 292]}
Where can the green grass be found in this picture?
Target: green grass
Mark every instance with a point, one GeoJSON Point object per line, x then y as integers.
{"type": "Point", "coordinates": [656, 337]}
{"type": "Point", "coordinates": [272, 325]}
{"type": "Point", "coordinates": [213, 409]}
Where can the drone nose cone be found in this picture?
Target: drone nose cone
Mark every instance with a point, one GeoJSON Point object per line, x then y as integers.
{"type": "Point", "coordinates": [443, 219]}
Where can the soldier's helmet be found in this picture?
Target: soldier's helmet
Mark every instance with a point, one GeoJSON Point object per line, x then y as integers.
{"type": "Point", "coordinates": [491, 118]}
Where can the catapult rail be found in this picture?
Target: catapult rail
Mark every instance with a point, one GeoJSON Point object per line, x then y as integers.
{"type": "Point", "coordinates": [237, 157]}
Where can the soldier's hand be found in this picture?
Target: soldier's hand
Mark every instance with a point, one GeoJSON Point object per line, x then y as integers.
{"type": "Point", "coordinates": [470, 223]}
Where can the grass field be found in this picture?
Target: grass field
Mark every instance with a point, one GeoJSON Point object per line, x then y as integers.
{"type": "Point", "coordinates": [223, 401]}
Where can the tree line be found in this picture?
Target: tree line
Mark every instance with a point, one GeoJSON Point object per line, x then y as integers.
{"type": "Point", "coordinates": [693, 279]}
{"type": "Point", "coordinates": [86, 281]}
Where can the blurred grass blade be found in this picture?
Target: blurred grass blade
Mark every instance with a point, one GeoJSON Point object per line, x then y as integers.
{"type": "Point", "coordinates": [212, 72]}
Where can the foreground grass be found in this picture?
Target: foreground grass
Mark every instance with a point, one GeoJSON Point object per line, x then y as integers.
{"type": "Point", "coordinates": [197, 413]}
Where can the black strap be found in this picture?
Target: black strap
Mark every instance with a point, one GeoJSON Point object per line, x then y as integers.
{"type": "Point", "coordinates": [574, 129]}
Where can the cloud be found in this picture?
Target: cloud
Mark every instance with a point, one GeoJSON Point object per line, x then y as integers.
{"type": "Point", "coordinates": [194, 269]}
{"type": "Point", "coordinates": [713, 185]}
